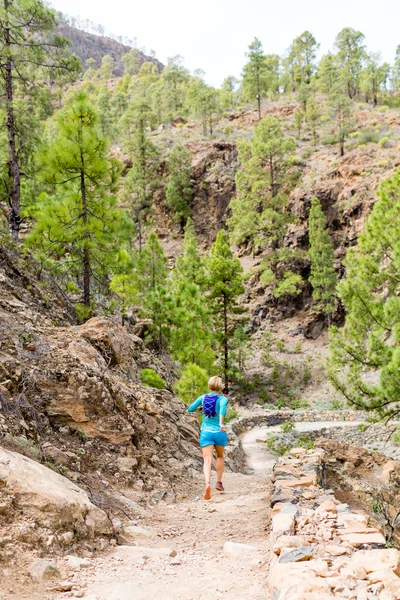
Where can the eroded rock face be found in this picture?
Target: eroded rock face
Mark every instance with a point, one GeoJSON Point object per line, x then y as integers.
{"type": "Point", "coordinates": [52, 501]}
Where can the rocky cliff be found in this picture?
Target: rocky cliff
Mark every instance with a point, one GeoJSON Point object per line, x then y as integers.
{"type": "Point", "coordinates": [71, 398]}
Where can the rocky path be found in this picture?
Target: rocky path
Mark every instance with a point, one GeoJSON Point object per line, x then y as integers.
{"type": "Point", "coordinates": [180, 553]}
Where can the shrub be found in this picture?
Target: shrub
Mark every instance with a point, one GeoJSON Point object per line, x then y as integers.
{"type": "Point", "coordinates": [298, 348]}
{"type": "Point", "coordinates": [280, 346]}
{"type": "Point", "coordinates": [276, 446]}
{"type": "Point", "coordinates": [384, 142]}
{"type": "Point", "coordinates": [290, 285]}
{"type": "Point", "coordinates": [396, 437]}
{"type": "Point", "coordinates": [299, 404]}
{"type": "Point", "coordinates": [231, 414]}
{"type": "Point", "coordinates": [368, 136]}
{"type": "Point", "coordinates": [362, 427]}
{"type": "Point", "coordinates": [151, 379]}
{"type": "Point", "coordinates": [287, 426]}
{"type": "Point", "coordinates": [305, 441]}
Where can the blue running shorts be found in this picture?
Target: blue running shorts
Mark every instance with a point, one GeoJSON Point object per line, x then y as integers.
{"type": "Point", "coordinates": [213, 438]}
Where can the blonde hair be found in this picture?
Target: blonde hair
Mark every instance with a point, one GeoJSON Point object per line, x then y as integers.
{"type": "Point", "coordinates": [215, 384]}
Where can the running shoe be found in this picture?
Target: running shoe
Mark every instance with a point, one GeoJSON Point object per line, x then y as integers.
{"type": "Point", "coordinates": [219, 486]}
{"type": "Point", "coordinates": [207, 493]}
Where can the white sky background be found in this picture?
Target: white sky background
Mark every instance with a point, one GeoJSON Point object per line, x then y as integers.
{"type": "Point", "coordinates": [214, 34]}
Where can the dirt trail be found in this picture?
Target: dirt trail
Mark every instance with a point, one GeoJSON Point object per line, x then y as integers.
{"type": "Point", "coordinates": [196, 531]}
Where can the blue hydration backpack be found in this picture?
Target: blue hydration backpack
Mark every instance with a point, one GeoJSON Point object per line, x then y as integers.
{"type": "Point", "coordinates": [209, 403]}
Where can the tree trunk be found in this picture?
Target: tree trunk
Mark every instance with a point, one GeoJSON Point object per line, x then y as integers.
{"type": "Point", "coordinates": [15, 193]}
{"type": "Point", "coordinates": [259, 106]}
{"type": "Point", "coordinates": [226, 348]}
{"type": "Point", "coordinates": [86, 256]}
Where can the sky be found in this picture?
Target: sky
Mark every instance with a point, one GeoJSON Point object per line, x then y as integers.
{"type": "Point", "coordinates": [213, 35]}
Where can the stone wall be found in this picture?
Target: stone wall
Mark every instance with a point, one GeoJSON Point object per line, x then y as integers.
{"type": "Point", "coordinates": [321, 547]}
{"type": "Point", "coordinates": [270, 418]}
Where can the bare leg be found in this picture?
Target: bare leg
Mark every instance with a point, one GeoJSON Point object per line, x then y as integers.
{"type": "Point", "coordinates": [220, 462]}
{"type": "Point", "coordinates": [208, 452]}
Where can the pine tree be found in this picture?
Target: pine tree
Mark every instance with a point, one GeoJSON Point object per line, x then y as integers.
{"type": "Point", "coordinates": [255, 74]}
{"type": "Point", "coordinates": [125, 282]}
{"type": "Point", "coordinates": [228, 93]}
{"type": "Point", "coordinates": [342, 108]}
{"type": "Point", "coordinates": [301, 59]}
{"type": "Point", "coordinates": [131, 61]}
{"type": "Point", "coordinates": [142, 179]}
{"type": "Point", "coordinates": [350, 55]}
{"type": "Point", "coordinates": [365, 354]}
{"type": "Point", "coordinates": [79, 227]}
{"type": "Point", "coordinates": [328, 73]}
{"type": "Point", "coordinates": [298, 121]}
{"type": "Point", "coordinates": [323, 276]}
{"type": "Point", "coordinates": [189, 266]}
{"type": "Point", "coordinates": [313, 118]}
{"type": "Point", "coordinates": [28, 50]}
{"type": "Point", "coordinates": [225, 284]}
{"type": "Point", "coordinates": [155, 299]}
{"type": "Point", "coordinates": [257, 210]}
{"type": "Point", "coordinates": [179, 189]}
{"type": "Point", "coordinates": [191, 335]}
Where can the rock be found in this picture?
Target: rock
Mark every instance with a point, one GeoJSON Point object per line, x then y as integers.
{"type": "Point", "coordinates": [358, 539]}
{"type": "Point", "coordinates": [67, 538]}
{"type": "Point", "coordinates": [327, 506]}
{"type": "Point", "coordinates": [43, 569]}
{"type": "Point", "coordinates": [384, 575]}
{"type": "Point", "coordinates": [176, 561]}
{"type": "Point", "coordinates": [64, 586]}
{"type": "Point", "coordinates": [288, 541]}
{"type": "Point", "coordinates": [375, 560]}
{"type": "Point", "coordinates": [298, 554]}
{"type": "Point", "coordinates": [236, 550]}
{"type": "Point", "coordinates": [112, 338]}
{"type": "Point", "coordinates": [137, 531]}
{"type": "Point", "coordinates": [48, 497]}
{"type": "Point", "coordinates": [335, 550]}
{"type": "Point", "coordinates": [76, 563]}
{"type": "Point", "coordinates": [283, 523]}
{"type": "Point", "coordinates": [297, 452]}
{"type": "Point", "coordinates": [301, 482]}
{"type": "Point", "coordinates": [117, 524]}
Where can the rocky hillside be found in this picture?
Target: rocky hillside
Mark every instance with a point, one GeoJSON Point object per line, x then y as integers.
{"type": "Point", "coordinates": [71, 398]}
{"type": "Point", "coordinates": [87, 45]}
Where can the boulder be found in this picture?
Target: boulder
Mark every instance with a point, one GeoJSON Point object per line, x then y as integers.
{"type": "Point", "coordinates": [49, 498]}
{"type": "Point", "coordinates": [43, 569]}
{"type": "Point", "coordinates": [109, 338]}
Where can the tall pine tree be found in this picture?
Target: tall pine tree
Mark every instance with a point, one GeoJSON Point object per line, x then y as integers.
{"type": "Point", "coordinates": [30, 52]}
{"type": "Point", "coordinates": [225, 284]}
{"type": "Point", "coordinates": [179, 189]}
{"type": "Point", "coordinates": [321, 254]}
{"type": "Point", "coordinates": [79, 227]}
{"type": "Point", "coordinates": [365, 354]}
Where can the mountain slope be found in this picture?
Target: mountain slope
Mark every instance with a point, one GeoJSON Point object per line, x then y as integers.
{"type": "Point", "coordinates": [87, 45]}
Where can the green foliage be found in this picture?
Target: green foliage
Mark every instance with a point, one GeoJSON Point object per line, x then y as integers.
{"type": "Point", "coordinates": [287, 426]}
{"type": "Point", "coordinates": [305, 441]}
{"type": "Point", "coordinates": [257, 210]}
{"type": "Point", "coordinates": [32, 54]}
{"type": "Point", "coordinates": [142, 179]}
{"type": "Point", "coordinates": [225, 285]}
{"type": "Point", "coordinates": [323, 276]}
{"type": "Point", "coordinates": [350, 56]}
{"type": "Point", "coordinates": [179, 189]}
{"type": "Point", "coordinates": [342, 110]}
{"type": "Point", "coordinates": [290, 285]}
{"type": "Point", "coordinates": [151, 379]}
{"type": "Point", "coordinates": [300, 63]}
{"type": "Point", "coordinates": [192, 383]}
{"type": "Point", "coordinates": [365, 354]}
{"type": "Point", "coordinates": [260, 74]}
{"type": "Point", "coordinates": [298, 121]}
{"type": "Point", "coordinates": [79, 227]}
{"type": "Point", "coordinates": [276, 445]}
{"type": "Point", "coordinates": [299, 404]}
{"type": "Point", "coordinates": [231, 414]}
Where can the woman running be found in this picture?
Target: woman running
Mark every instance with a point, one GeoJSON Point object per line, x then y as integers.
{"type": "Point", "coordinates": [212, 431]}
